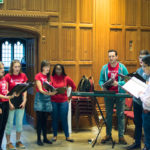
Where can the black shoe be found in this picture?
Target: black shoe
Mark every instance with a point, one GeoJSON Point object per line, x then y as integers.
{"type": "Point", "coordinates": [54, 139]}
{"type": "Point", "coordinates": [69, 140]}
{"type": "Point", "coordinates": [40, 143]}
{"type": "Point", "coordinates": [106, 139]}
{"type": "Point", "coordinates": [47, 141]}
{"type": "Point", "coordinates": [134, 146]}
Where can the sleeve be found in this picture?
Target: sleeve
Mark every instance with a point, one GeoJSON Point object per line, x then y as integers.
{"type": "Point", "coordinates": [37, 77]}
{"type": "Point", "coordinates": [71, 83]}
{"type": "Point", "coordinates": [145, 97]}
{"type": "Point", "coordinates": [102, 77]}
{"type": "Point", "coordinates": [125, 72]}
{"type": "Point", "coordinates": [7, 77]}
{"type": "Point", "coordinates": [25, 78]}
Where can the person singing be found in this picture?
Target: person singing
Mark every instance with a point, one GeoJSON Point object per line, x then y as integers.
{"type": "Point", "coordinates": [60, 101]}
{"type": "Point", "coordinates": [4, 103]}
{"type": "Point", "coordinates": [14, 77]}
{"type": "Point", "coordinates": [42, 103]}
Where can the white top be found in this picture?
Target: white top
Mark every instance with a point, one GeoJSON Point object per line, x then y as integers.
{"type": "Point", "coordinates": [145, 98]}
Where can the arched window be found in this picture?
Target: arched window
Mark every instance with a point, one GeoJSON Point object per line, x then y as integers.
{"type": "Point", "coordinates": [18, 51]}
{"type": "Point", "coordinates": [12, 49]}
{"type": "Point", "coordinates": [6, 53]}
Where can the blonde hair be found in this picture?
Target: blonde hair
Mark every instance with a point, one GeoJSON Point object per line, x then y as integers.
{"type": "Point", "coordinates": [12, 64]}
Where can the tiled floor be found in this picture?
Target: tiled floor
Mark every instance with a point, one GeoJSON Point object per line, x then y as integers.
{"type": "Point", "coordinates": [81, 140]}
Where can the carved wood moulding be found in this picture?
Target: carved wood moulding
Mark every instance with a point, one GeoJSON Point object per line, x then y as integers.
{"type": "Point", "coordinates": [26, 15]}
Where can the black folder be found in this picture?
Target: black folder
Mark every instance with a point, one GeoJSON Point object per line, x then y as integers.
{"type": "Point", "coordinates": [50, 88]}
{"type": "Point", "coordinates": [108, 84]}
{"type": "Point", "coordinates": [130, 75]}
{"type": "Point", "coordinates": [19, 89]}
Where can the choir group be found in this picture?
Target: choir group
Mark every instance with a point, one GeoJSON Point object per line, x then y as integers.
{"type": "Point", "coordinates": [47, 102]}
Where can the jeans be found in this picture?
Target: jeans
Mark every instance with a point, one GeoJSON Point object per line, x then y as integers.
{"type": "Point", "coordinates": [146, 126]}
{"type": "Point", "coordinates": [3, 119]}
{"type": "Point", "coordinates": [41, 124]}
{"type": "Point", "coordinates": [60, 111]}
{"type": "Point", "coordinates": [19, 120]}
{"type": "Point", "coordinates": [109, 104]}
{"type": "Point", "coordinates": [138, 109]}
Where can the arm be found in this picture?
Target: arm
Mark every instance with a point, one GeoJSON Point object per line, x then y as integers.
{"type": "Point", "coordinates": [125, 72]}
{"type": "Point", "coordinates": [71, 83]}
{"type": "Point", "coordinates": [145, 97]}
{"type": "Point", "coordinates": [39, 86]}
{"type": "Point", "coordinates": [102, 78]}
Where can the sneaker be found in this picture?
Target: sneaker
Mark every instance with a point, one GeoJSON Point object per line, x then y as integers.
{"type": "Point", "coordinates": [134, 146]}
{"type": "Point", "coordinates": [122, 141]}
{"type": "Point", "coordinates": [10, 147]}
{"type": "Point", "coordinates": [20, 145]}
{"type": "Point", "coordinates": [106, 139]}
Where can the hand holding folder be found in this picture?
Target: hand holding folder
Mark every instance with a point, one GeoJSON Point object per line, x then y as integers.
{"type": "Point", "coordinates": [19, 89]}
{"type": "Point", "coordinates": [50, 88]}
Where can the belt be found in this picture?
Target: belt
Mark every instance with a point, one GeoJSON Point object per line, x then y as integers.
{"type": "Point", "coordinates": [146, 111]}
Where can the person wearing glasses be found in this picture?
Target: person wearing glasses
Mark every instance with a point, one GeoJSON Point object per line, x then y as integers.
{"type": "Point", "coordinates": [137, 107]}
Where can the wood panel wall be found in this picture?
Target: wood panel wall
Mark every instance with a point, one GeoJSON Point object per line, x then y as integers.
{"type": "Point", "coordinates": [78, 33]}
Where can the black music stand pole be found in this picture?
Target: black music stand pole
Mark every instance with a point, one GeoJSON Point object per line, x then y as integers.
{"type": "Point", "coordinates": [104, 122]}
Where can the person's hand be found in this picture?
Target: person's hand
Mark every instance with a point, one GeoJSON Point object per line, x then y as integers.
{"type": "Point", "coordinates": [1, 111]}
{"type": "Point", "coordinates": [115, 83]}
{"type": "Point", "coordinates": [11, 106]}
{"type": "Point", "coordinates": [52, 93]}
{"type": "Point", "coordinates": [16, 94]}
{"type": "Point", "coordinates": [23, 104]}
{"type": "Point", "coordinates": [140, 93]}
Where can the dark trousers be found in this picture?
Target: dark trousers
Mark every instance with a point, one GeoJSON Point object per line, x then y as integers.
{"type": "Point", "coordinates": [3, 119]}
{"type": "Point", "coordinates": [146, 126]}
{"type": "Point", "coordinates": [138, 109]}
{"type": "Point", "coordinates": [60, 111]}
{"type": "Point", "coordinates": [41, 124]}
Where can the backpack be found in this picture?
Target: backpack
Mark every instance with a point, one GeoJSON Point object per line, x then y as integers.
{"type": "Point", "coordinates": [86, 84]}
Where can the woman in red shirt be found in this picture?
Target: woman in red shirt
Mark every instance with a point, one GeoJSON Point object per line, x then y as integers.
{"type": "Point", "coordinates": [42, 103]}
{"type": "Point", "coordinates": [60, 105]}
{"type": "Point", "coordinates": [14, 77]}
{"type": "Point", "coordinates": [4, 102]}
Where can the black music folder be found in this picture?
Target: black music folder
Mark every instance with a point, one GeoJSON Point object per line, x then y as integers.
{"type": "Point", "coordinates": [19, 89]}
{"type": "Point", "coordinates": [130, 75]}
{"type": "Point", "coordinates": [50, 88]}
{"type": "Point", "coordinates": [108, 84]}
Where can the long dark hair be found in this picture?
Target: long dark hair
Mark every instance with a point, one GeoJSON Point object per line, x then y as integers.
{"type": "Point", "coordinates": [62, 67]}
{"type": "Point", "coordinates": [12, 64]}
{"type": "Point", "coordinates": [45, 63]}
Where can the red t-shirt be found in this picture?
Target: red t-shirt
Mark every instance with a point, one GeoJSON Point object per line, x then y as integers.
{"type": "Point", "coordinates": [58, 82]}
{"type": "Point", "coordinates": [113, 73]}
{"type": "Point", "coordinates": [42, 78]}
{"type": "Point", "coordinates": [3, 89]}
{"type": "Point", "coordinates": [13, 80]}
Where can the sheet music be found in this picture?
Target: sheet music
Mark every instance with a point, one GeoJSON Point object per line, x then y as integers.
{"type": "Point", "coordinates": [134, 86]}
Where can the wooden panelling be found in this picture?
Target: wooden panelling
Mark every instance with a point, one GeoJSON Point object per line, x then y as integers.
{"type": "Point", "coordinates": [54, 44]}
{"type": "Point", "coordinates": [116, 42]}
{"type": "Point", "coordinates": [116, 12]}
{"type": "Point", "coordinates": [131, 45]}
{"type": "Point", "coordinates": [131, 12]}
{"type": "Point", "coordinates": [68, 42]}
{"type": "Point", "coordinates": [68, 10]}
{"type": "Point", "coordinates": [51, 5]}
{"type": "Point", "coordinates": [35, 5]}
{"type": "Point", "coordinates": [145, 39]}
{"type": "Point", "coordinates": [145, 12]}
{"type": "Point", "coordinates": [14, 4]}
{"type": "Point", "coordinates": [85, 70]}
{"type": "Point", "coordinates": [86, 11]}
{"type": "Point", "coordinates": [86, 44]}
